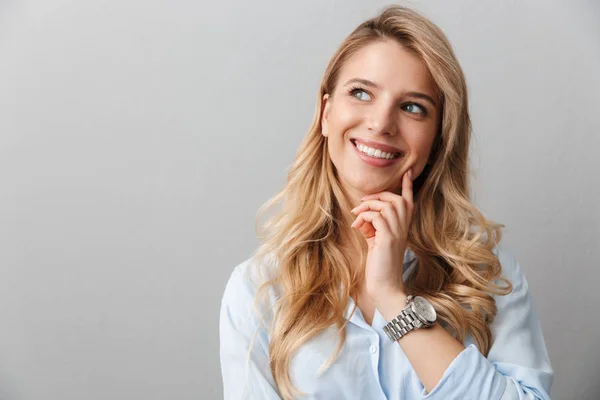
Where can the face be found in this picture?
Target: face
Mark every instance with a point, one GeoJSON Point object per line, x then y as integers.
{"type": "Point", "coordinates": [384, 100]}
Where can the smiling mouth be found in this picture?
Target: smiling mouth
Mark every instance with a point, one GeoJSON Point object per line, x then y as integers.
{"type": "Point", "coordinates": [375, 153]}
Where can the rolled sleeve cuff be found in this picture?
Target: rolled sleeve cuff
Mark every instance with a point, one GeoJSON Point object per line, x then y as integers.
{"type": "Point", "coordinates": [469, 376]}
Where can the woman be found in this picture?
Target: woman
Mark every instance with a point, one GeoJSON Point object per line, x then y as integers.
{"type": "Point", "coordinates": [376, 209]}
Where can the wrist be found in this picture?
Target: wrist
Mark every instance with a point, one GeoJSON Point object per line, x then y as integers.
{"type": "Point", "coordinates": [391, 303]}
{"type": "Point", "coordinates": [381, 293]}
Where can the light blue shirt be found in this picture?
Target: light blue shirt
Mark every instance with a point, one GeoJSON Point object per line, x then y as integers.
{"type": "Point", "coordinates": [373, 367]}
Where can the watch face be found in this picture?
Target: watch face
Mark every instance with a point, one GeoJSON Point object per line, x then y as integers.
{"type": "Point", "coordinates": [424, 310]}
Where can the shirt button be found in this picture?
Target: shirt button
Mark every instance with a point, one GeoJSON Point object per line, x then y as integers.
{"type": "Point", "coordinates": [373, 349]}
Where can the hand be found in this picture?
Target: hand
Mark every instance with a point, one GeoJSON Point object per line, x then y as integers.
{"type": "Point", "coordinates": [384, 220]}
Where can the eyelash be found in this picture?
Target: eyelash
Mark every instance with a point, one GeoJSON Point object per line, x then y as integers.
{"type": "Point", "coordinates": [354, 89]}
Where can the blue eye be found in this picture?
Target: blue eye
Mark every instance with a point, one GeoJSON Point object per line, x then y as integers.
{"type": "Point", "coordinates": [357, 90]}
{"type": "Point", "coordinates": [415, 108]}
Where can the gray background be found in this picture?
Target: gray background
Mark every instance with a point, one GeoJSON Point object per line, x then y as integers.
{"type": "Point", "coordinates": [138, 139]}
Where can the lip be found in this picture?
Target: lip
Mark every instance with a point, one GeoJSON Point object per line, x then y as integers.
{"type": "Point", "coordinates": [380, 146]}
{"type": "Point", "coordinates": [375, 162]}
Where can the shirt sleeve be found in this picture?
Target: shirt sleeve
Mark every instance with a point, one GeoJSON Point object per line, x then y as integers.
{"type": "Point", "coordinates": [245, 376]}
{"type": "Point", "coordinates": [517, 366]}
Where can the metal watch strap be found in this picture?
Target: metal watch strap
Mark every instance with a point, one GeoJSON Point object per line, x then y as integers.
{"type": "Point", "coordinates": [405, 322]}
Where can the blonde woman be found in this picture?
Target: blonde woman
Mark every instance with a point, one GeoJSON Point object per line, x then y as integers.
{"type": "Point", "coordinates": [377, 278]}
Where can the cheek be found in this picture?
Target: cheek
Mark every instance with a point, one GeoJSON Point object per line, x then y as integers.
{"type": "Point", "coordinates": [420, 143]}
{"type": "Point", "coordinates": [345, 118]}
{"type": "Point", "coordinates": [420, 138]}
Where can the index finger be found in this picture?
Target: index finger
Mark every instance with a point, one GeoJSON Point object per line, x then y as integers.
{"type": "Point", "coordinates": [407, 188]}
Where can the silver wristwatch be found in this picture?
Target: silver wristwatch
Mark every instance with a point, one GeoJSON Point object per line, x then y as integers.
{"type": "Point", "coordinates": [419, 313]}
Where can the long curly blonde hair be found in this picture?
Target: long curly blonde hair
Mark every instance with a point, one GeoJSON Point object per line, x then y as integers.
{"type": "Point", "coordinates": [450, 237]}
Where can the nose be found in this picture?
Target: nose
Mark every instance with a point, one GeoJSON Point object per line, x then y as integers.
{"type": "Point", "coordinates": [381, 119]}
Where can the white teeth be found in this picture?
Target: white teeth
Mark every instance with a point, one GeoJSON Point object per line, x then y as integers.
{"type": "Point", "coordinates": [376, 153]}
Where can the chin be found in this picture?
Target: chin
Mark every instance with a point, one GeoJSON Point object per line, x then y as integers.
{"type": "Point", "coordinates": [370, 186]}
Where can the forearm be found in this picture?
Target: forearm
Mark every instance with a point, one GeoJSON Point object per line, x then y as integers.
{"type": "Point", "coordinates": [430, 351]}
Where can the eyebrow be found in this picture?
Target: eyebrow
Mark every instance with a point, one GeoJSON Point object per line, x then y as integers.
{"type": "Point", "coordinates": [369, 83]}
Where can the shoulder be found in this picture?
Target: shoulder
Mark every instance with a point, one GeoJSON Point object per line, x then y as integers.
{"type": "Point", "coordinates": [243, 285]}
{"type": "Point", "coordinates": [518, 303]}
{"type": "Point", "coordinates": [511, 268]}
{"type": "Point", "coordinates": [518, 347]}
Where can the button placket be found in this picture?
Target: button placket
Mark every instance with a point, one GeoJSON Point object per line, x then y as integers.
{"type": "Point", "coordinates": [373, 349]}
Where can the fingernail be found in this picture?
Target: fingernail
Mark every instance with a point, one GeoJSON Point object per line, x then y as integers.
{"type": "Point", "coordinates": [410, 173]}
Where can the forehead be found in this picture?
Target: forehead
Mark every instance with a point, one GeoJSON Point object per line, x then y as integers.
{"type": "Point", "coordinates": [390, 65]}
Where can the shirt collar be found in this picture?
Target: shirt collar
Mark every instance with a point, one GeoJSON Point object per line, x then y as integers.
{"type": "Point", "coordinates": [407, 268]}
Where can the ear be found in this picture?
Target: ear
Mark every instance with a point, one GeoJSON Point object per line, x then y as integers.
{"type": "Point", "coordinates": [325, 106]}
